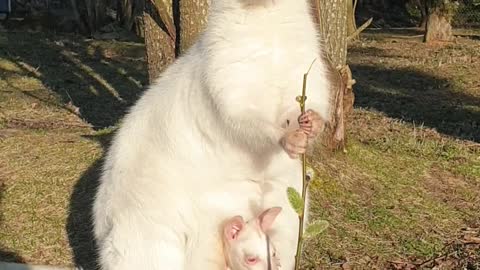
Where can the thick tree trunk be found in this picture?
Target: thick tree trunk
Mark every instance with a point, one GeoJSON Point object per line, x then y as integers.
{"type": "Point", "coordinates": [159, 36]}
{"type": "Point", "coordinates": [439, 26]}
{"type": "Point", "coordinates": [170, 29]}
{"type": "Point", "coordinates": [193, 16]}
{"type": "Point", "coordinates": [331, 16]}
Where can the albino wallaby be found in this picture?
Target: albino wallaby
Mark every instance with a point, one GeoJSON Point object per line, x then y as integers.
{"type": "Point", "coordinates": [217, 134]}
{"type": "Point", "coordinates": [246, 244]}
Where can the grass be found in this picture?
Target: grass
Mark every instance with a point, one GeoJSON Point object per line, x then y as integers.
{"type": "Point", "coordinates": [407, 185]}
{"type": "Point", "coordinates": [59, 96]}
{"type": "Point", "coordinates": [403, 189]}
{"type": "Point", "coordinates": [392, 199]}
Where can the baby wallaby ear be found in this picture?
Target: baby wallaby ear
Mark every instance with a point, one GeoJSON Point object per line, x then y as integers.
{"type": "Point", "coordinates": [267, 217]}
{"type": "Point", "coordinates": [232, 227]}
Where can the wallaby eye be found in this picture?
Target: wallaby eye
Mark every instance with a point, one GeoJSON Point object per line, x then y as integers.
{"type": "Point", "coordinates": [251, 260]}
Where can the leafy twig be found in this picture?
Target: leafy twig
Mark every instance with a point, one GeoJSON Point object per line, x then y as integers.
{"type": "Point", "coordinates": [298, 201]}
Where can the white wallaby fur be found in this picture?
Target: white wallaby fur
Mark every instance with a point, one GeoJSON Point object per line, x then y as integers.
{"type": "Point", "coordinates": [202, 143]}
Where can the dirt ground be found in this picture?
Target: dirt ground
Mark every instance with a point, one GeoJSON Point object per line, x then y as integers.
{"type": "Point", "coordinates": [404, 195]}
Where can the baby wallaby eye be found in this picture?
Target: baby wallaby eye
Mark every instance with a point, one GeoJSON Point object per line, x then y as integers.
{"type": "Point", "coordinates": [251, 260]}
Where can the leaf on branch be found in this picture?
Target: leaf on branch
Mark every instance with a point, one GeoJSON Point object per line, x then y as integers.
{"type": "Point", "coordinates": [295, 200]}
{"type": "Point", "coordinates": [316, 228]}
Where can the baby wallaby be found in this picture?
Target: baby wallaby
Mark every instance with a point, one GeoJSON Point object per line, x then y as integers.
{"type": "Point", "coordinates": [246, 244]}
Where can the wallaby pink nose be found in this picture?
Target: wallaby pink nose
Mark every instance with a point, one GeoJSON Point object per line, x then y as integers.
{"type": "Point", "coordinates": [252, 260]}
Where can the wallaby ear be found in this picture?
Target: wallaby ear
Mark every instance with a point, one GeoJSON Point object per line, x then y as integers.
{"type": "Point", "coordinates": [267, 218]}
{"type": "Point", "coordinates": [233, 227]}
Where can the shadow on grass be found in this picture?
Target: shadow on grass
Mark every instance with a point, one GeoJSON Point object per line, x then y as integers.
{"type": "Point", "coordinates": [102, 83]}
{"type": "Point", "coordinates": [79, 222]}
{"type": "Point", "coordinates": [418, 97]}
{"type": "Point", "coordinates": [11, 257]}
{"type": "Point", "coordinates": [5, 254]}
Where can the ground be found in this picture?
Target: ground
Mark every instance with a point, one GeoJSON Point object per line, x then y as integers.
{"type": "Point", "coordinates": [404, 193]}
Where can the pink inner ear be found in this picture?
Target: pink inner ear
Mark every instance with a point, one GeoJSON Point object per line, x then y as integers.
{"type": "Point", "coordinates": [233, 227]}
{"type": "Point", "coordinates": [267, 218]}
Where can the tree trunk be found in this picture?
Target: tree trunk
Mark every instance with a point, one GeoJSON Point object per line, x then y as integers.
{"type": "Point", "coordinates": [422, 6]}
{"type": "Point", "coordinates": [77, 17]}
{"type": "Point", "coordinates": [439, 26]}
{"type": "Point", "coordinates": [351, 24]}
{"type": "Point", "coordinates": [331, 16]}
{"type": "Point", "coordinates": [170, 29]}
{"type": "Point", "coordinates": [159, 36]}
{"type": "Point", "coordinates": [125, 13]}
{"type": "Point", "coordinates": [129, 14]}
{"type": "Point", "coordinates": [96, 14]}
{"type": "Point", "coordinates": [138, 23]}
{"type": "Point", "coordinates": [90, 15]}
{"type": "Point", "coordinates": [193, 16]}
{"type": "Point", "coordinates": [100, 14]}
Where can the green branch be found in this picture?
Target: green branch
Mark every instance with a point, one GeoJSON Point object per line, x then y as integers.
{"type": "Point", "coordinates": [298, 201]}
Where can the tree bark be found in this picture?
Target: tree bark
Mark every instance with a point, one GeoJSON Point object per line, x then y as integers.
{"type": "Point", "coordinates": [96, 14]}
{"type": "Point", "coordinates": [331, 16]}
{"type": "Point", "coordinates": [159, 36]}
{"type": "Point", "coordinates": [439, 26]}
{"type": "Point", "coordinates": [90, 15]}
{"type": "Point", "coordinates": [193, 17]}
{"type": "Point", "coordinates": [129, 14]}
{"type": "Point", "coordinates": [77, 17]}
{"type": "Point", "coordinates": [422, 6]}
{"type": "Point", "coordinates": [351, 24]}
{"type": "Point", "coordinates": [170, 29]}
{"type": "Point", "coordinates": [138, 9]}
{"type": "Point", "coordinates": [100, 14]}
{"type": "Point", "coordinates": [125, 13]}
